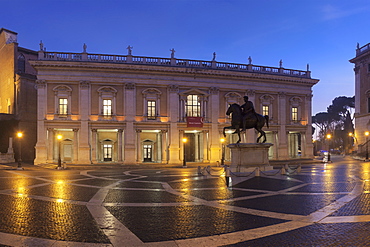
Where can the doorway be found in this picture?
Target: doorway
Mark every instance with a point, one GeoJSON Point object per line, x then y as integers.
{"type": "Point", "coordinates": [148, 151]}
{"type": "Point", "coordinates": [107, 152]}
{"type": "Point", "coordinates": [189, 147]}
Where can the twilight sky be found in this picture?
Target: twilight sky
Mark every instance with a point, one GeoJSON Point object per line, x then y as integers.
{"type": "Point", "coordinates": [321, 33]}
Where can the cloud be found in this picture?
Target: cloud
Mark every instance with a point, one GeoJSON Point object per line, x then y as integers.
{"type": "Point", "coordinates": [331, 12]}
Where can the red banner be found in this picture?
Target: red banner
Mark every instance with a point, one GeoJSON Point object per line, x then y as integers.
{"type": "Point", "coordinates": [195, 122]}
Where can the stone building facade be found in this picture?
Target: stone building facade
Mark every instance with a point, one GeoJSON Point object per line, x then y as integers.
{"type": "Point", "coordinates": [362, 94]}
{"type": "Point", "coordinates": [133, 109]}
{"type": "Point", "coordinates": [17, 95]}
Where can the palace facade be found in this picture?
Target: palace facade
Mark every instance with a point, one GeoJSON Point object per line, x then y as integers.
{"type": "Point", "coordinates": [132, 109]}
{"type": "Point", "coordinates": [362, 95]}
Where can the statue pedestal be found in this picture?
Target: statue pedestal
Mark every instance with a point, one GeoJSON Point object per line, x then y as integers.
{"type": "Point", "coordinates": [246, 157]}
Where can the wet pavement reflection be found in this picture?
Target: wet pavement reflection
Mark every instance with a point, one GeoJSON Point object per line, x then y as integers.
{"type": "Point", "coordinates": [179, 206]}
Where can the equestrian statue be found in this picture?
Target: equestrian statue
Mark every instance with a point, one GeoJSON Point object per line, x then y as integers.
{"type": "Point", "coordinates": [245, 117]}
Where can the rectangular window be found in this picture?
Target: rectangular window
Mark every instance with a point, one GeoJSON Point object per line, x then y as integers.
{"type": "Point", "coordinates": [368, 105]}
{"type": "Point", "coordinates": [107, 107]}
{"type": "Point", "coordinates": [151, 108]}
{"type": "Point", "coordinates": [295, 113]}
{"type": "Point", "coordinates": [265, 110]}
{"type": "Point", "coordinates": [192, 106]}
{"type": "Point", "coordinates": [63, 106]}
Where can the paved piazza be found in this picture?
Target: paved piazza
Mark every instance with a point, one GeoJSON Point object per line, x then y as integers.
{"type": "Point", "coordinates": [322, 205]}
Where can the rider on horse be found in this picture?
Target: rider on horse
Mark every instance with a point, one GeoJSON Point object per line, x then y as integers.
{"type": "Point", "coordinates": [248, 112]}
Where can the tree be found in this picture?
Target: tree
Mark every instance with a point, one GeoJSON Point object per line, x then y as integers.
{"type": "Point", "coordinates": [338, 120]}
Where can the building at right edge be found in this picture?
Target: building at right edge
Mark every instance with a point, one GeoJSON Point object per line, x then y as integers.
{"type": "Point", "coordinates": [362, 95]}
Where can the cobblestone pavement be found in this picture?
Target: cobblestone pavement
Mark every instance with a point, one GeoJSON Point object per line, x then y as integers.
{"type": "Point", "coordinates": [322, 205]}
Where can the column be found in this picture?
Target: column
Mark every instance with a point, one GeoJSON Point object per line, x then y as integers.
{"type": "Point", "coordinates": [282, 120]}
{"type": "Point", "coordinates": [196, 140]}
{"type": "Point", "coordinates": [205, 146]}
{"type": "Point", "coordinates": [304, 145]}
{"type": "Point", "coordinates": [10, 148]}
{"type": "Point", "coordinates": [164, 146]}
{"type": "Point", "coordinates": [214, 136]}
{"type": "Point", "coordinates": [159, 147]}
{"type": "Point", "coordinates": [40, 148]}
{"type": "Point", "coordinates": [119, 138]}
{"type": "Point", "coordinates": [75, 145]}
{"type": "Point", "coordinates": [276, 145]}
{"type": "Point", "coordinates": [250, 134]}
{"type": "Point", "coordinates": [50, 146]}
{"type": "Point", "coordinates": [94, 146]}
{"type": "Point", "coordinates": [308, 133]}
{"type": "Point", "coordinates": [173, 138]}
{"type": "Point", "coordinates": [130, 147]}
{"type": "Point", "coordinates": [84, 148]}
{"type": "Point", "coordinates": [139, 150]}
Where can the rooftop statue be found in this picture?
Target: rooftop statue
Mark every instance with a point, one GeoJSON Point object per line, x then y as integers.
{"type": "Point", "coordinates": [245, 117]}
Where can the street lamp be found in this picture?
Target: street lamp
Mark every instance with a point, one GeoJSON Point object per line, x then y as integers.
{"type": "Point", "coordinates": [222, 140]}
{"type": "Point", "coordinates": [59, 137]}
{"type": "Point", "coordinates": [352, 140]}
{"type": "Point", "coordinates": [328, 136]}
{"type": "Point", "coordinates": [19, 135]}
{"type": "Point", "coordinates": [367, 146]}
{"type": "Point", "coordinates": [184, 140]}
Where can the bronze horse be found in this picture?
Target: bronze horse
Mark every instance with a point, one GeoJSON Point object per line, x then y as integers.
{"type": "Point", "coordinates": [237, 122]}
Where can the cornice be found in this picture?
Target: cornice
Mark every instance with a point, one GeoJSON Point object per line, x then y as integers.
{"type": "Point", "coordinates": [132, 68]}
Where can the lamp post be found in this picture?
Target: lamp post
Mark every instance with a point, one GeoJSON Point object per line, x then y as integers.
{"type": "Point", "coordinates": [59, 137]}
{"type": "Point", "coordinates": [19, 135]}
{"type": "Point", "coordinates": [328, 136]}
{"type": "Point", "coordinates": [222, 140]}
{"type": "Point", "coordinates": [184, 140]}
{"type": "Point", "coordinates": [367, 146]}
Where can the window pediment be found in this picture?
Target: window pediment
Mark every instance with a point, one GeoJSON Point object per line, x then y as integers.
{"type": "Point", "coordinates": [194, 91]}
{"type": "Point", "coordinates": [295, 101]}
{"type": "Point", "coordinates": [107, 91]}
{"type": "Point", "coordinates": [62, 89]}
{"type": "Point", "coordinates": [266, 99]}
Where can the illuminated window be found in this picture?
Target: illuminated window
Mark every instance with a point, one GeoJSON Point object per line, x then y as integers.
{"type": "Point", "coordinates": [63, 106]}
{"type": "Point", "coordinates": [192, 106]}
{"type": "Point", "coordinates": [295, 113]}
{"type": "Point", "coordinates": [151, 108]}
{"type": "Point", "coordinates": [62, 101]}
{"type": "Point", "coordinates": [265, 110]}
{"type": "Point", "coordinates": [107, 102]}
{"type": "Point", "coordinates": [107, 107]}
{"type": "Point", "coordinates": [151, 104]}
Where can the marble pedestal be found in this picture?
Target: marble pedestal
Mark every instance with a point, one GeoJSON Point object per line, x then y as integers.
{"type": "Point", "coordinates": [246, 157]}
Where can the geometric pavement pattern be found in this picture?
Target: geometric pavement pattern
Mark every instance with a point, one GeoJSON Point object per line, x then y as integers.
{"type": "Point", "coordinates": [322, 205]}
